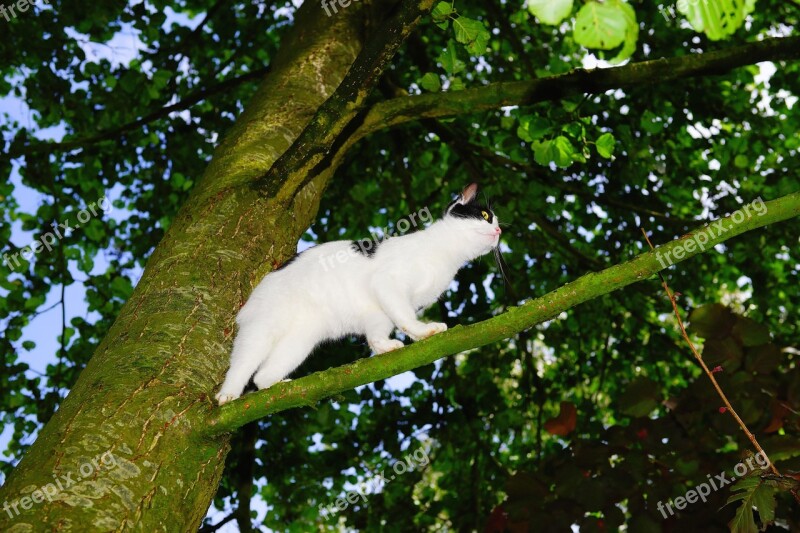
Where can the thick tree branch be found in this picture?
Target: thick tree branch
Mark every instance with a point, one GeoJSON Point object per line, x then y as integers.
{"type": "Point", "coordinates": [310, 389]}
{"type": "Point", "coordinates": [396, 111]}
{"type": "Point", "coordinates": [308, 156]}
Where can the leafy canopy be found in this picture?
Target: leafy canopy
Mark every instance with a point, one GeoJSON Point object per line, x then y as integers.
{"type": "Point", "coordinates": [589, 419]}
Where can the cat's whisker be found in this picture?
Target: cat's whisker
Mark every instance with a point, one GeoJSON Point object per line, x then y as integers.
{"type": "Point", "coordinates": [499, 260]}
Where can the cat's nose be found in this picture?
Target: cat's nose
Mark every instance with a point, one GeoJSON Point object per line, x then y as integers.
{"type": "Point", "coordinates": [498, 231]}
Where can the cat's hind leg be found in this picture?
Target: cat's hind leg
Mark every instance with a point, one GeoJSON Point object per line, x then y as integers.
{"type": "Point", "coordinates": [379, 327]}
{"type": "Point", "coordinates": [250, 348]}
{"type": "Point", "coordinates": [287, 354]}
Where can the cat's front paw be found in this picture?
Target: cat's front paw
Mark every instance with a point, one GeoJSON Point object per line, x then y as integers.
{"type": "Point", "coordinates": [423, 331]}
{"type": "Point", "coordinates": [383, 346]}
{"type": "Point", "coordinates": [223, 398]}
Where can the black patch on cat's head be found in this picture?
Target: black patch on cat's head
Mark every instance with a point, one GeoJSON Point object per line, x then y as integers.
{"type": "Point", "coordinates": [467, 206]}
{"type": "Point", "coordinates": [365, 247]}
{"type": "Point", "coordinates": [470, 210]}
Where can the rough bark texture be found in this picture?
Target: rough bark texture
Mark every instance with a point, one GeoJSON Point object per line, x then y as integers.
{"type": "Point", "coordinates": [147, 391]}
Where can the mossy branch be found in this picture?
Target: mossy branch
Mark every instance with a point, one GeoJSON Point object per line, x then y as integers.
{"type": "Point", "coordinates": [403, 109]}
{"type": "Point", "coordinates": [308, 390]}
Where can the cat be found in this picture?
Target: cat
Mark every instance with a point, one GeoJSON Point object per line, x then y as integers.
{"type": "Point", "coordinates": [370, 292]}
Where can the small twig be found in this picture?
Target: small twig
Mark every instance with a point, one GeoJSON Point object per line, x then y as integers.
{"type": "Point", "coordinates": [710, 374]}
{"type": "Point", "coordinates": [212, 528]}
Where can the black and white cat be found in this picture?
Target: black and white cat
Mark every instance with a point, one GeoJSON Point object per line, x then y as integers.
{"type": "Point", "coordinates": [370, 293]}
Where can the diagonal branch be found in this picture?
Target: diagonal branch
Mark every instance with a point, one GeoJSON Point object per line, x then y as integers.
{"type": "Point", "coordinates": [308, 155]}
{"type": "Point", "coordinates": [308, 390]}
{"type": "Point", "coordinates": [400, 110]}
{"type": "Point", "coordinates": [673, 299]}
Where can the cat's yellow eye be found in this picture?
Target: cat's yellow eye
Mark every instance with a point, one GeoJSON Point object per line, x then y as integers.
{"type": "Point", "coordinates": [485, 215]}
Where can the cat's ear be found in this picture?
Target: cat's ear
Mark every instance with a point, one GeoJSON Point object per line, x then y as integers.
{"type": "Point", "coordinates": [468, 194]}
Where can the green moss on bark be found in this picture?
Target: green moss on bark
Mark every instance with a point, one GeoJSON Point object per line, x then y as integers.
{"type": "Point", "coordinates": [145, 394]}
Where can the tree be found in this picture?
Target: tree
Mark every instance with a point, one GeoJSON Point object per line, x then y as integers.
{"type": "Point", "coordinates": [517, 433]}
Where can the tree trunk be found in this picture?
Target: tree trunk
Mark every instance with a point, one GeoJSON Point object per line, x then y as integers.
{"type": "Point", "coordinates": [137, 408]}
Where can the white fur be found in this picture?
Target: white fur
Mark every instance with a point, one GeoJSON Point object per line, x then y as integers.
{"type": "Point", "coordinates": [320, 297]}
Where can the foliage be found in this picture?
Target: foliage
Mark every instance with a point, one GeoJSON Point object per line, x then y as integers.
{"type": "Point", "coordinates": [573, 179]}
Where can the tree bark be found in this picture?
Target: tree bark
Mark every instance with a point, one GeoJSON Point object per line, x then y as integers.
{"type": "Point", "coordinates": [139, 407]}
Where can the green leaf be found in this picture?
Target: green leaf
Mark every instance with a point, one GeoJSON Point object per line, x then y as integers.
{"type": "Point", "coordinates": [94, 230]}
{"type": "Point", "coordinates": [743, 522]}
{"type": "Point", "coordinates": [576, 131]}
{"type": "Point", "coordinates": [533, 128]}
{"type": "Point", "coordinates": [161, 78]}
{"type": "Point", "coordinates": [741, 161]}
{"type": "Point", "coordinates": [121, 287]}
{"type": "Point", "coordinates": [601, 25]}
{"type": "Point", "coordinates": [129, 82]}
{"type": "Point", "coordinates": [472, 34]}
{"type": "Point", "coordinates": [716, 18]}
{"type": "Point", "coordinates": [550, 11]}
{"type": "Point", "coordinates": [456, 84]}
{"type": "Point", "coordinates": [441, 13]}
{"type": "Point", "coordinates": [650, 122]}
{"type": "Point", "coordinates": [449, 59]}
{"type": "Point", "coordinates": [68, 333]}
{"type": "Point", "coordinates": [754, 493]}
{"type": "Point", "coordinates": [430, 82]}
{"type": "Point", "coordinates": [35, 301]}
{"type": "Point", "coordinates": [559, 151]}
{"type": "Point", "coordinates": [605, 145]}
{"type": "Point", "coordinates": [631, 35]}
{"type": "Point", "coordinates": [764, 500]}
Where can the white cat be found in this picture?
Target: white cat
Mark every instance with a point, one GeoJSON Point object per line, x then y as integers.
{"type": "Point", "coordinates": [369, 293]}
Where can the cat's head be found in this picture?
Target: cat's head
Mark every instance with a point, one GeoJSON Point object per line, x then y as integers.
{"type": "Point", "coordinates": [476, 225]}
